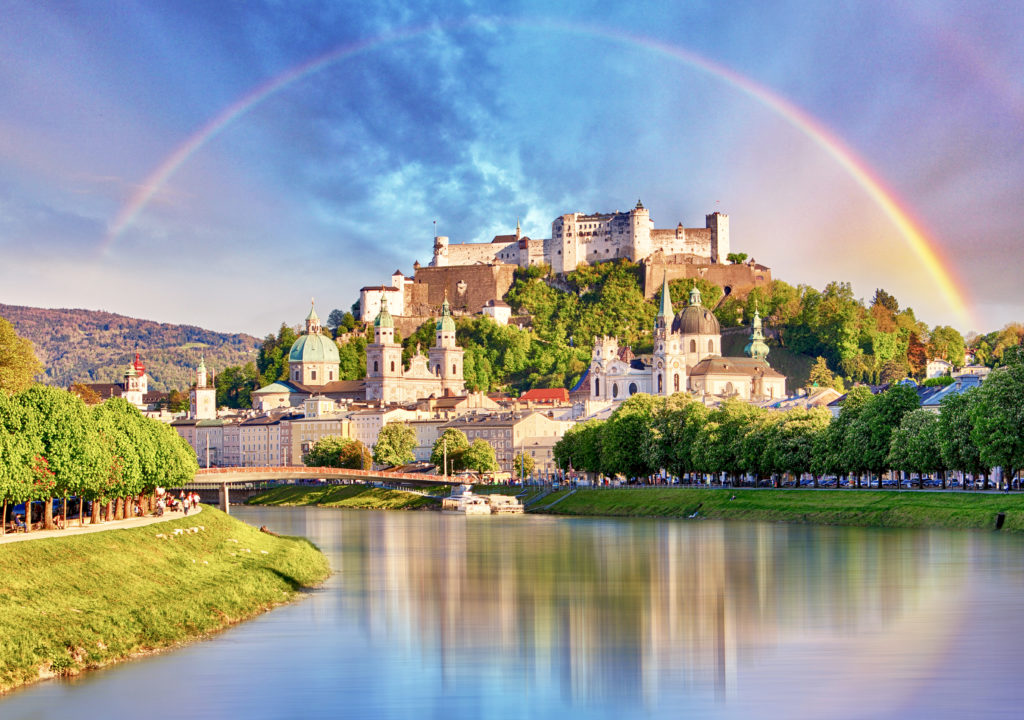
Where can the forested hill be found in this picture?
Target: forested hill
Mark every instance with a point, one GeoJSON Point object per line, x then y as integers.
{"type": "Point", "coordinates": [96, 346]}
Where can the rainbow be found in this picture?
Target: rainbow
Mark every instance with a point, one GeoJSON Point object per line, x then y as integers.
{"type": "Point", "coordinates": [924, 247]}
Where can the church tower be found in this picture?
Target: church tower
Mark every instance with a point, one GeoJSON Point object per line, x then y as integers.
{"type": "Point", "coordinates": [446, 357]}
{"type": "Point", "coordinates": [668, 369]}
{"type": "Point", "coordinates": [757, 348]}
{"type": "Point", "coordinates": [383, 358]}
{"type": "Point", "coordinates": [202, 401]}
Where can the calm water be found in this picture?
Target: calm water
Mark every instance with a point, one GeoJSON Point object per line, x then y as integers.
{"type": "Point", "coordinates": [439, 616]}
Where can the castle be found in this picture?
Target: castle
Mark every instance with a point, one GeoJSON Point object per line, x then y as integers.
{"type": "Point", "coordinates": [687, 357]}
{"type": "Point", "coordinates": [577, 238]}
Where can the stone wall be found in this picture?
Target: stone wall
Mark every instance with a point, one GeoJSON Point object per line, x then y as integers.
{"type": "Point", "coordinates": [469, 288]}
{"type": "Point", "coordinates": [739, 278]}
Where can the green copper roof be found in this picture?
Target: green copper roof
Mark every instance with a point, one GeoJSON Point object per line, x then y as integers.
{"type": "Point", "coordinates": [314, 348]}
{"type": "Point", "coordinates": [757, 348]}
{"type": "Point", "coordinates": [666, 300]}
{"type": "Point", "coordinates": [312, 314]}
{"type": "Point", "coordinates": [383, 318]}
{"type": "Point", "coordinates": [446, 324]}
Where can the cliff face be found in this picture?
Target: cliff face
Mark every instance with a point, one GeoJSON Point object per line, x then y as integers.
{"type": "Point", "coordinates": [95, 346]}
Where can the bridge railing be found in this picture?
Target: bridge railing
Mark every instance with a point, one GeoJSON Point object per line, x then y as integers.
{"type": "Point", "coordinates": [316, 472]}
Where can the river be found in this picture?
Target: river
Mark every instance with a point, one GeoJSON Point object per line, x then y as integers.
{"type": "Point", "coordinates": [443, 616]}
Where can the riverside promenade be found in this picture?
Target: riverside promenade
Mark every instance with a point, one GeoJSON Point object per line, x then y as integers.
{"type": "Point", "coordinates": [74, 529]}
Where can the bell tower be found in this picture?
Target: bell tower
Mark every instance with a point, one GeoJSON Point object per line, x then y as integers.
{"type": "Point", "coordinates": [446, 356]}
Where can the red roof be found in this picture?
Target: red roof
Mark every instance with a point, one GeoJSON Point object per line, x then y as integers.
{"type": "Point", "coordinates": [546, 395]}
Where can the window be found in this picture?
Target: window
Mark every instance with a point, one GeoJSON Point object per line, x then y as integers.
{"type": "Point", "coordinates": [454, 370]}
{"type": "Point", "coordinates": [597, 386]}
{"type": "Point", "coordinates": [375, 367]}
{"type": "Point", "coordinates": [313, 374]}
{"type": "Point", "coordinates": [632, 388]}
{"type": "Point", "coordinates": [661, 387]}
{"type": "Point", "coordinates": [392, 366]}
{"type": "Point", "coordinates": [675, 382]}
{"type": "Point", "coordinates": [330, 374]}
{"type": "Point", "coordinates": [711, 346]}
{"type": "Point", "coordinates": [615, 390]}
{"type": "Point", "coordinates": [693, 346]}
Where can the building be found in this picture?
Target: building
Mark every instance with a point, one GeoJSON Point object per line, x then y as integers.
{"type": "Point", "coordinates": [937, 367]}
{"type": "Point", "coordinates": [372, 297]}
{"type": "Point", "coordinates": [579, 238]}
{"type": "Point", "coordinates": [438, 374]}
{"type": "Point", "coordinates": [322, 419]}
{"type": "Point", "coordinates": [134, 387]}
{"type": "Point", "coordinates": [202, 398]}
{"type": "Point", "coordinates": [687, 358]}
{"type": "Point", "coordinates": [509, 433]}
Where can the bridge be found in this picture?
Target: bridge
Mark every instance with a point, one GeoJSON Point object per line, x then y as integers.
{"type": "Point", "coordinates": [221, 479]}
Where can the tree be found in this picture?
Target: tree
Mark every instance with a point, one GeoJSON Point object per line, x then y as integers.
{"type": "Point", "coordinates": [272, 360]}
{"type": "Point", "coordinates": [626, 436]}
{"type": "Point", "coordinates": [736, 258]}
{"type": "Point", "coordinates": [998, 417]}
{"type": "Point", "coordinates": [356, 456]}
{"type": "Point", "coordinates": [947, 343]}
{"type": "Point", "coordinates": [834, 451]}
{"type": "Point", "coordinates": [792, 446]}
{"type": "Point", "coordinates": [20, 443]}
{"type": "Point", "coordinates": [235, 385]}
{"type": "Point", "coordinates": [336, 318]}
{"type": "Point", "coordinates": [674, 433]}
{"type": "Point", "coordinates": [915, 444]}
{"type": "Point", "coordinates": [18, 362]}
{"type": "Point", "coordinates": [885, 300]}
{"type": "Point", "coordinates": [86, 393]}
{"type": "Point", "coordinates": [451, 444]}
{"type": "Point", "coordinates": [580, 447]}
{"type": "Point", "coordinates": [823, 377]}
{"type": "Point", "coordinates": [327, 452]}
{"type": "Point", "coordinates": [395, 445]}
{"type": "Point", "coordinates": [522, 465]}
{"type": "Point", "coordinates": [870, 435]}
{"type": "Point", "coordinates": [480, 456]}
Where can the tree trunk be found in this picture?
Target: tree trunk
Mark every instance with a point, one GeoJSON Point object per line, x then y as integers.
{"type": "Point", "coordinates": [81, 511]}
{"type": "Point", "coordinates": [95, 519]}
{"type": "Point", "coordinates": [108, 511]}
{"type": "Point", "coordinates": [984, 481]}
{"type": "Point", "coordinates": [48, 514]}
{"type": "Point", "coordinates": [119, 509]}
{"type": "Point", "coordinates": [28, 516]}
{"type": "Point", "coordinates": [3, 519]}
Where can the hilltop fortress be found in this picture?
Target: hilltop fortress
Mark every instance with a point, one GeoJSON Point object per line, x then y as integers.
{"type": "Point", "coordinates": [476, 276]}
{"type": "Point", "coordinates": [587, 239]}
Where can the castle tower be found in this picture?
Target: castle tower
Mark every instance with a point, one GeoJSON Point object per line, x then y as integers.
{"type": "Point", "coordinates": [440, 251]}
{"type": "Point", "coordinates": [446, 356]}
{"type": "Point", "coordinates": [383, 358]}
{"type": "Point", "coordinates": [757, 348]}
{"type": "Point", "coordinates": [202, 399]}
{"type": "Point", "coordinates": [640, 232]}
{"type": "Point", "coordinates": [718, 224]}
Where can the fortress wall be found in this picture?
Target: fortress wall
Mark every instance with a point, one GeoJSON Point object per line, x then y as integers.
{"type": "Point", "coordinates": [741, 278]}
{"type": "Point", "coordinates": [472, 253]}
{"type": "Point", "coordinates": [469, 287]}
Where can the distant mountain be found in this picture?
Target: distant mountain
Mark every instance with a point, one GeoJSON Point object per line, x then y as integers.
{"type": "Point", "coordinates": [95, 346]}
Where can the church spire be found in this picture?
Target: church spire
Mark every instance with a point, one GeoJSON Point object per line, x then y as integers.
{"type": "Point", "coordinates": [757, 348]}
{"type": "Point", "coordinates": [666, 300]}
{"type": "Point", "coordinates": [312, 320]}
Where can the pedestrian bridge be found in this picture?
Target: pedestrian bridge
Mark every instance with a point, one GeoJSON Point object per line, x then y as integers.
{"type": "Point", "coordinates": [221, 479]}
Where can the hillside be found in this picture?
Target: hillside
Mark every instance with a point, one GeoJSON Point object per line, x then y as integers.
{"type": "Point", "coordinates": [95, 346]}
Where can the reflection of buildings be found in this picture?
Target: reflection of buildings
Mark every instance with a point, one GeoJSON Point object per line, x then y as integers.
{"type": "Point", "coordinates": [622, 612]}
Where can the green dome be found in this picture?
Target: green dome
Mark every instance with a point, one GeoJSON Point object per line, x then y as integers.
{"type": "Point", "coordinates": [314, 348]}
{"type": "Point", "coordinates": [757, 348]}
{"type": "Point", "coordinates": [383, 318]}
{"type": "Point", "coordinates": [446, 324]}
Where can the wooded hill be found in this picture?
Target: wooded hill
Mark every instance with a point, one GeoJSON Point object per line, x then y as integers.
{"type": "Point", "coordinates": [96, 346]}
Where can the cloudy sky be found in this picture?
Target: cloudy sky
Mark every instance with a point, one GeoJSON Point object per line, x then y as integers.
{"type": "Point", "coordinates": [220, 163]}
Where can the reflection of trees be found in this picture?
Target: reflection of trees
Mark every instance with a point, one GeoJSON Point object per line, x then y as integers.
{"type": "Point", "coordinates": [622, 609]}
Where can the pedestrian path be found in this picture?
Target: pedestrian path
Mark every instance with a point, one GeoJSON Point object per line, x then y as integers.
{"type": "Point", "coordinates": [73, 528]}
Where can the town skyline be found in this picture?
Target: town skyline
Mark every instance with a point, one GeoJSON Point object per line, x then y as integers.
{"type": "Point", "coordinates": [314, 149]}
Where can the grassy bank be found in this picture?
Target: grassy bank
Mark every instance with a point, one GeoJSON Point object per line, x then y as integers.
{"type": "Point", "coordinates": [906, 509]}
{"type": "Point", "coordinates": [346, 496]}
{"type": "Point", "coordinates": [74, 603]}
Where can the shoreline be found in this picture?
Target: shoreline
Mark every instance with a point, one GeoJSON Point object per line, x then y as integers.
{"type": "Point", "coordinates": [79, 603]}
{"type": "Point", "coordinates": [910, 509]}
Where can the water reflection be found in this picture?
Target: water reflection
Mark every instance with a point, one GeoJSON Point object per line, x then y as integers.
{"type": "Point", "coordinates": [447, 616]}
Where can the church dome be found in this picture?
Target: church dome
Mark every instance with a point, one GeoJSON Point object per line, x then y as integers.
{"type": "Point", "coordinates": [314, 348]}
{"type": "Point", "coordinates": [695, 319]}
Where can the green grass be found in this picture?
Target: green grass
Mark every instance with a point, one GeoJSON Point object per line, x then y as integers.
{"type": "Point", "coordinates": [553, 497]}
{"type": "Point", "coordinates": [867, 508]}
{"type": "Point", "coordinates": [347, 496]}
{"type": "Point", "coordinates": [73, 603]}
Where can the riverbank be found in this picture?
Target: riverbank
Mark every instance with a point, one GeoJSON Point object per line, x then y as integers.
{"type": "Point", "coordinates": [70, 604]}
{"type": "Point", "coordinates": [345, 496]}
{"type": "Point", "coordinates": [864, 508]}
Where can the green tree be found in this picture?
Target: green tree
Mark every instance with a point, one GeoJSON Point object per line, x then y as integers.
{"type": "Point", "coordinates": [823, 377]}
{"type": "Point", "coordinates": [915, 444]}
{"type": "Point", "coordinates": [18, 362]}
{"type": "Point", "coordinates": [20, 444]}
{"type": "Point", "coordinates": [834, 452]}
{"type": "Point", "coordinates": [395, 445]}
{"type": "Point", "coordinates": [327, 451]}
{"type": "Point", "coordinates": [451, 444]}
{"type": "Point", "coordinates": [956, 433]}
{"type": "Point", "coordinates": [626, 437]}
{"type": "Point", "coordinates": [947, 343]}
{"type": "Point", "coordinates": [674, 433]}
{"type": "Point", "coordinates": [522, 465]}
{"type": "Point", "coordinates": [235, 385]}
{"type": "Point", "coordinates": [998, 417]}
{"type": "Point", "coordinates": [797, 435]}
{"type": "Point", "coordinates": [272, 360]}
{"type": "Point", "coordinates": [870, 435]}
{"type": "Point", "coordinates": [480, 456]}
{"type": "Point", "coordinates": [736, 258]}
{"type": "Point", "coordinates": [580, 447]}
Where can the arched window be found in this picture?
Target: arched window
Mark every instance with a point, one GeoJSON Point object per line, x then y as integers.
{"type": "Point", "coordinates": [675, 383]}
{"type": "Point", "coordinates": [392, 366]}
{"type": "Point", "coordinates": [615, 390]}
{"type": "Point", "coordinates": [728, 388]}
{"type": "Point", "coordinates": [453, 369]}
{"type": "Point", "coordinates": [632, 388]}
{"type": "Point", "coordinates": [376, 368]}
{"type": "Point", "coordinates": [437, 370]}
{"type": "Point", "coordinates": [693, 346]}
{"type": "Point", "coordinates": [597, 386]}
{"type": "Point", "coordinates": [661, 386]}
{"type": "Point", "coordinates": [330, 374]}
{"type": "Point", "coordinates": [711, 346]}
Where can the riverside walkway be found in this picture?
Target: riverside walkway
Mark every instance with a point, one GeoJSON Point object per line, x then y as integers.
{"type": "Point", "coordinates": [73, 528]}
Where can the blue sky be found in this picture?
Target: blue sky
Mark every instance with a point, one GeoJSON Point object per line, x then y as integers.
{"type": "Point", "coordinates": [474, 114]}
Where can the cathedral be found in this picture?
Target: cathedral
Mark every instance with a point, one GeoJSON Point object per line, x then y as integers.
{"type": "Point", "coordinates": [314, 367]}
{"type": "Point", "coordinates": [437, 374]}
{"type": "Point", "coordinates": [687, 358]}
